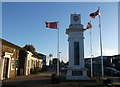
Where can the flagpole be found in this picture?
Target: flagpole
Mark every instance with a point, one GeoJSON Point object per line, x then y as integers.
{"type": "Point", "coordinates": [58, 52]}
{"type": "Point", "coordinates": [91, 52]}
{"type": "Point", "coordinates": [55, 26]}
{"type": "Point", "coordinates": [101, 47]}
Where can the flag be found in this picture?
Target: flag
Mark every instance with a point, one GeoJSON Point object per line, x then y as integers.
{"type": "Point", "coordinates": [89, 25]}
{"type": "Point", "coordinates": [52, 25]}
{"type": "Point", "coordinates": [94, 14]}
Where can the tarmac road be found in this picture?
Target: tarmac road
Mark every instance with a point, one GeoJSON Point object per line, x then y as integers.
{"type": "Point", "coordinates": [33, 80]}
{"type": "Point", "coordinates": [43, 79]}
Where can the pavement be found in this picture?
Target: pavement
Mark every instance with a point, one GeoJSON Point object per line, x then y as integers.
{"type": "Point", "coordinates": [29, 80]}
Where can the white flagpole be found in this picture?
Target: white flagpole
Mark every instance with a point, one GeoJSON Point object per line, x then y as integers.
{"type": "Point", "coordinates": [101, 44]}
{"type": "Point", "coordinates": [58, 52]}
{"type": "Point", "coordinates": [91, 52]}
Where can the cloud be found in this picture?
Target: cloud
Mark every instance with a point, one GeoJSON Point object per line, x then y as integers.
{"type": "Point", "coordinates": [108, 52]}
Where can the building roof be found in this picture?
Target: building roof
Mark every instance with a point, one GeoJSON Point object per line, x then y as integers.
{"type": "Point", "coordinates": [7, 43]}
{"type": "Point", "coordinates": [116, 55]}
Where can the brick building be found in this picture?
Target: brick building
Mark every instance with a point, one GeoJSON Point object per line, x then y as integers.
{"type": "Point", "coordinates": [9, 59]}
{"type": "Point", "coordinates": [15, 60]}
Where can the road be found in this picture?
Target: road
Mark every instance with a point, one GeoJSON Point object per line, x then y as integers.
{"type": "Point", "coordinates": [43, 79]}
{"type": "Point", "coordinates": [34, 80]}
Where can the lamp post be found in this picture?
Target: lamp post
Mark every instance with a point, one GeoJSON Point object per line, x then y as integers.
{"type": "Point", "coordinates": [92, 65]}
{"type": "Point", "coordinates": [59, 56]}
{"type": "Point", "coordinates": [59, 62]}
{"type": "Point", "coordinates": [50, 59]}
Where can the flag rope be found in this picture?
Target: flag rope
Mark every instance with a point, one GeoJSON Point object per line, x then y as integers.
{"type": "Point", "coordinates": [101, 47]}
{"type": "Point", "coordinates": [91, 52]}
{"type": "Point", "coordinates": [58, 52]}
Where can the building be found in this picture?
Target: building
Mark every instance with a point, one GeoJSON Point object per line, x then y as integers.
{"type": "Point", "coordinates": [108, 61]}
{"type": "Point", "coordinates": [15, 60]}
{"type": "Point", "coordinates": [9, 59]}
{"type": "Point", "coordinates": [44, 61]}
{"type": "Point", "coordinates": [28, 61]}
{"type": "Point", "coordinates": [115, 61]}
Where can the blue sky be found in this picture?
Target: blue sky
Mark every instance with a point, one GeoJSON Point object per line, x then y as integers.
{"type": "Point", "coordinates": [1, 19]}
{"type": "Point", "coordinates": [60, 0]}
{"type": "Point", "coordinates": [24, 23]}
{"type": "Point", "coordinates": [119, 29]}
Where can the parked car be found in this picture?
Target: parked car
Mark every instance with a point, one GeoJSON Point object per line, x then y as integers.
{"type": "Point", "coordinates": [64, 68]}
{"type": "Point", "coordinates": [108, 71]}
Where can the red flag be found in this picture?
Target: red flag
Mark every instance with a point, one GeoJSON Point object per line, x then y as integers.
{"type": "Point", "coordinates": [89, 25]}
{"type": "Point", "coordinates": [52, 25]}
{"type": "Point", "coordinates": [94, 14]}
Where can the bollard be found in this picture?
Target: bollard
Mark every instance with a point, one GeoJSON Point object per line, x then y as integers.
{"type": "Point", "coordinates": [55, 79]}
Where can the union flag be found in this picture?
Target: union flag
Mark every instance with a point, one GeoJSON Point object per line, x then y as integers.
{"type": "Point", "coordinates": [89, 25]}
{"type": "Point", "coordinates": [53, 25]}
{"type": "Point", "coordinates": [94, 14]}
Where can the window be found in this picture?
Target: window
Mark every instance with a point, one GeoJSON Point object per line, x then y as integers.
{"type": "Point", "coordinates": [32, 63]}
{"type": "Point", "coordinates": [12, 64]}
{"type": "Point", "coordinates": [28, 63]}
{"type": "Point", "coordinates": [17, 64]}
{"type": "Point", "coordinates": [76, 53]}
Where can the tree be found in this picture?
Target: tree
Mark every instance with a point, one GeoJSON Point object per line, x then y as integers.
{"type": "Point", "coordinates": [50, 55]}
{"type": "Point", "coordinates": [30, 48]}
{"type": "Point", "coordinates": [40, 55]}
{"type": "Point", "coordinates": [62, 63]}
{"type": "Point", "coordinates": [67, 63]}
{"type": "Point", "coordinates": [54, 61]}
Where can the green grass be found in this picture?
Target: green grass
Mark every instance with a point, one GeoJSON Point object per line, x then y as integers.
{"type": "Point", "coordinates": [116, 83]}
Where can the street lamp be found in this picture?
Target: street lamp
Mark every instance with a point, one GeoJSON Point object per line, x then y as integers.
{"type": "Point", "coordinates": [59, 61]}
{"type": "Point", "coordinates": [50, 59]}
{"type": "Point", "coordinates": [92, 65]}
{"type": "Point", "coordinates": [59, 55]}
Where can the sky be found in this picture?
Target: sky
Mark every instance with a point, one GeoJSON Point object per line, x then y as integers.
{"type": "Point", "coordinates": [119, 28]}
{"type": "Point", "coordinates": [60, 0]}
{"type": "Point", "coordinates": [24, 23]}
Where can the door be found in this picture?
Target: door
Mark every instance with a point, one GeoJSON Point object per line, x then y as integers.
{"type": "Point", "coordinates": [5, 71]}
